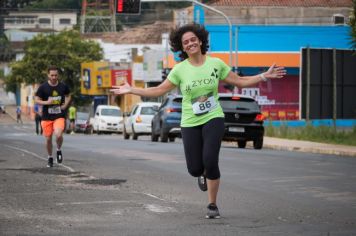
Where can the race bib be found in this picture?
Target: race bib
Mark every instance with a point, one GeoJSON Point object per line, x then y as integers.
{"type": "Point", "coordinates": [54, 110]}
{"type": "Point", "coordinates": [203, 104]}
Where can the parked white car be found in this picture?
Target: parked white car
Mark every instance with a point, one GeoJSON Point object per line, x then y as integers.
{"type": "Point", "coordinates": [138, 121]}
{"type": "Point", "coordinates": [107, 119]}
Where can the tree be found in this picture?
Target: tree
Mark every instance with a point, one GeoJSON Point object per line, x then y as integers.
{"type": "Point", "coordinates": [65, 50]}
{"type": "Point", "coordinates": [6, 53]}
{"type": "Point", "coordinates": [15, 4]}
{"type": "Point", "coordinates": [55, 4]}
{"type": "Point", "coordinates": [353, 25]}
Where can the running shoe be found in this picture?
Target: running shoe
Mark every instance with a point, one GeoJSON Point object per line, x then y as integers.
{"type": "Point", "coordinates": [213, 212]}
{"type": "Point", "coordinates": [59, 156]}
{"type": "Point", "coordinates": [50, 162]}
{"type": "Point", "coordinates": [202, 183]}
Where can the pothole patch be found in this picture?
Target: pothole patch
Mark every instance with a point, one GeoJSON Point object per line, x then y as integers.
{"type": "Point", "coordinates": [50, 171]}
{"type": "Point", "coordinates": [138, 159]}
{"type": "Point", "coordinates": [103, 182]}
{"type": "Point", "coordinates": [80, 176]}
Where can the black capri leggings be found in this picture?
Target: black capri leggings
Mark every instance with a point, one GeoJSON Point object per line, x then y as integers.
{"type": "Point", "coordinates": [202, 146]}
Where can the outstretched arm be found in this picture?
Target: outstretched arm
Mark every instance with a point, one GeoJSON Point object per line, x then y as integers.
{"type": "Point", "coordinates": [273, 72]}
{"type": "Point", "coordinates": [157, 91]}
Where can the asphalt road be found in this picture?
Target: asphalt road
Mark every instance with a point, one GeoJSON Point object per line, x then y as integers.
{"type": "Point", "coordinates": [111, 186]}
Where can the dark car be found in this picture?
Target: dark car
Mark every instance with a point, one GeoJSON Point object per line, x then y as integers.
{"type": "Point", "coordinates": [243, 120]}
{"type": "Point", "coordinates": [166, 122]}
{"type": "Point", "coordinates": [2, 108]}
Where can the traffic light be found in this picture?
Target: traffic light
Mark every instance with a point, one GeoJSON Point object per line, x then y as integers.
{"type": "Point", "coordinates": [165, 72]}
{"type": "Point", "coordinates": [128, 6]}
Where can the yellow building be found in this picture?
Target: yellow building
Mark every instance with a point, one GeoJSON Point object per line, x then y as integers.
{"type": "Point", "coordinates": [98, 77]}
{"type": "Point", "coordinates": [91, 78]}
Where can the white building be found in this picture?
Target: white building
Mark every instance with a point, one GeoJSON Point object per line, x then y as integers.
{"type": "Point", "coordinates": [53, 20]}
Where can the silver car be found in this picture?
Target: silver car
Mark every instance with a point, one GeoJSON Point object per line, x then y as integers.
{"type": "Point", "coordinates": [138, 121]}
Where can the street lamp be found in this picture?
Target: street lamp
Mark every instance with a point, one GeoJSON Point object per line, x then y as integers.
{"type": "Point", "coordinates": [210, 8]}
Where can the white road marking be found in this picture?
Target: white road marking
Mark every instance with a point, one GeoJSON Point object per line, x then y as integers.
{"type": "Point", "coordinates": [37, 156]}
{"type": "Point", "coordinates": [150, 207]}
{"type": "Point", "coordinates": [17, 134]}
{"type": "Point", "coordinates": [153, 196]}
{"type": "Point", "coordinates": [159, 209]}
{"type": "Point", "coordinates": [89, 203]}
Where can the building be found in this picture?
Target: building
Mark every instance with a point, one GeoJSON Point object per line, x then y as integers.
{"type": "Point", "coordinates": [266, 32]}
{"type": "Point", "coordinates": [40, 20]}
{"type": "Point", "coordinates": [125, 52]}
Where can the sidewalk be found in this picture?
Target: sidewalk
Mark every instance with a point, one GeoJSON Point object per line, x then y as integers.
{"type": "Point", "coordinates": [309, 147]}
{"type": "Point", "coordinates": [11, 111]}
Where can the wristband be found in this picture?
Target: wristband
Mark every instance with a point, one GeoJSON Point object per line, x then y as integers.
{"type": "Point", "coordinates": [263, 77]}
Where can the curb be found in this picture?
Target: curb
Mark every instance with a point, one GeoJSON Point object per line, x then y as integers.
{"type": "Point", "coordinates": [310, 150]}
{"type": "Point", "coordinates": [12, 114]}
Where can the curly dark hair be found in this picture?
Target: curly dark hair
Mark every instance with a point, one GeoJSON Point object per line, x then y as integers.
{"type": "Point", "coordinates": [175, 38]}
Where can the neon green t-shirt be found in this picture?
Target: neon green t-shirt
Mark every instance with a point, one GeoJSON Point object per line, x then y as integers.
{"type": "Point", "coordinates": [72, 112]}
{"type": "Point", "coordinates": [199, 87]}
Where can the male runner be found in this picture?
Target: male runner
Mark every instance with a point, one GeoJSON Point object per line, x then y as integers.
{"type": "Point", "coordinates": [54, 96]}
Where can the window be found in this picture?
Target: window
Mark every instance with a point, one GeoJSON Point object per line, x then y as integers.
{"type": "Point", "coordinates": [110, 112]}
{"type": "Point", "coordinates": [64, 21]}
{"type": "Point", "coordinates": [147, 111]}
{"type": "Point", "coordinates": [134, 110]}
{"type": "Point", "coordinates": [338, 19]}
{"type": "Point", "coordinates": [9, 21]}
{"type": "Point", "coordinates": [241, 104]}
{"type": "Point", "coordinates": [44, 21]}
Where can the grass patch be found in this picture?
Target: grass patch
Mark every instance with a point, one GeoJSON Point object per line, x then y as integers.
{"type": "Point", "coordinates": [321, 134]}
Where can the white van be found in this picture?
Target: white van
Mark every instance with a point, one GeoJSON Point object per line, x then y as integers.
{"type": "Point", "coordinates": [107, 119]}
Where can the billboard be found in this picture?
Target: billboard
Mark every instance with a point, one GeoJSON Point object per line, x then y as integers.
{"type": "Point", "coordinates": [152, 65]}
{"type": "Point", "coordinates": [331, 86]}
{"type": "Point", "coordinates": [120, 76]}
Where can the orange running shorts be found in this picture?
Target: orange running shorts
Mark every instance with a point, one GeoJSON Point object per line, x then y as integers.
{"type": "Point", "coordinates": [48, 126]}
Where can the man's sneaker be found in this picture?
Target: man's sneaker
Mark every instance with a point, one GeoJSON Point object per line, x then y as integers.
{"type": "Point", "coordinates": [213, 212]}
{"type": "Point", "coordinates": [50, 162]}
{"type": "Point", "coordinates": [59, 156]}
{"type": "Point", "coordinates": [202, 183]}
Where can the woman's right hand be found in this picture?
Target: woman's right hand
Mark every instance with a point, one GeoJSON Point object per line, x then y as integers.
{"type": "Point", "coordinates": [121, 89]}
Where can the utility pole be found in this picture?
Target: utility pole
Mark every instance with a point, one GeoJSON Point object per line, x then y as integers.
{"type": "Point", "coordinates": [97, 13]}
{"type": "Point", "coordinates": [307, 102]}
{"type": "Point", "coordinates": [334, 87]}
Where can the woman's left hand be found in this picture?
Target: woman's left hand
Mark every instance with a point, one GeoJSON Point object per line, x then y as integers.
{"type": "Point", "coordinates": [121, 89]}
{"type": "Point", "coordinates": [275, 72]}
